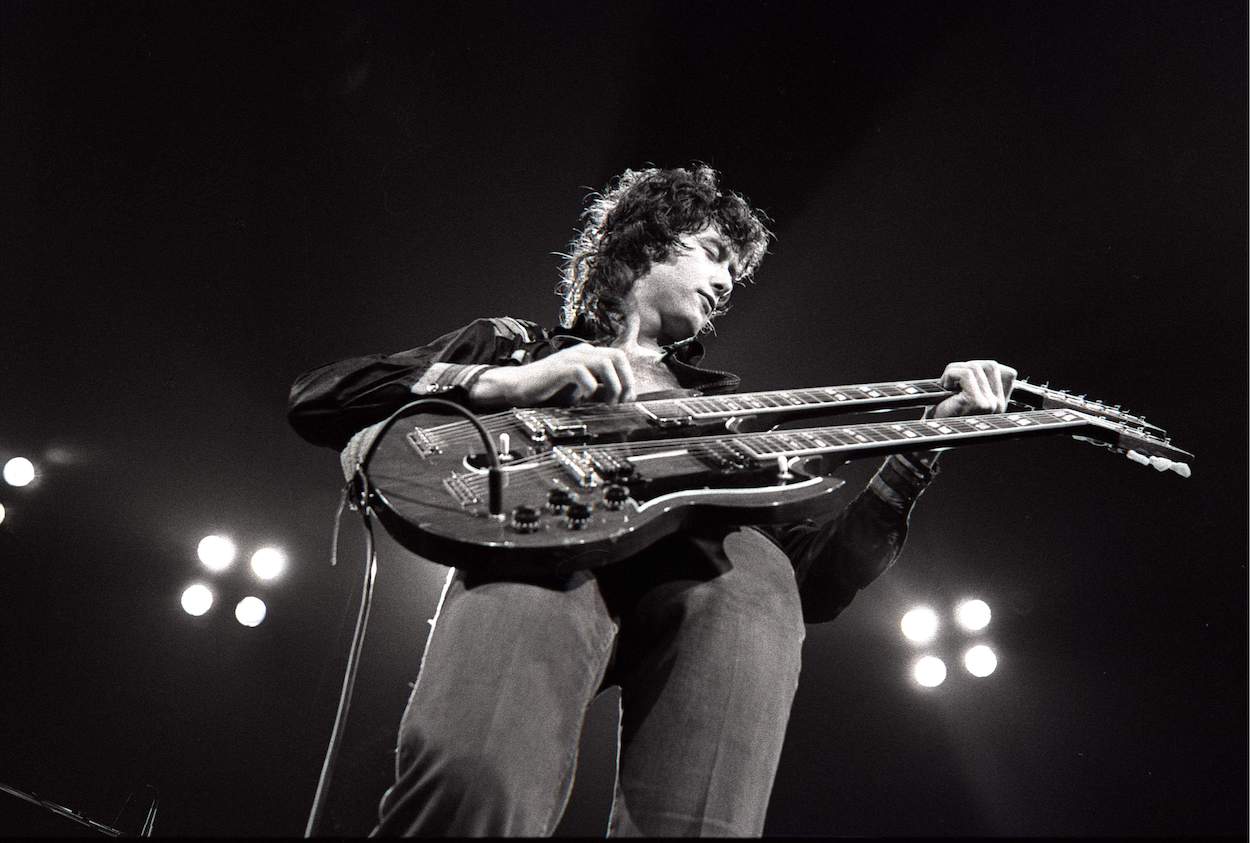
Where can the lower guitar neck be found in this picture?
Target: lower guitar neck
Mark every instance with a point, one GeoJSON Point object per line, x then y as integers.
{"type": "Point", "coordinates": [849, 441]}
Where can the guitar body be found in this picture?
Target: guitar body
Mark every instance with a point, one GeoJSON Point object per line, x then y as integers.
{"type": "Point", "coordinates": [436, 505]}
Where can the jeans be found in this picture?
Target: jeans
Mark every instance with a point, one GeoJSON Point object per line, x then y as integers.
{"type": "Point", "coordinates": [703, 635]}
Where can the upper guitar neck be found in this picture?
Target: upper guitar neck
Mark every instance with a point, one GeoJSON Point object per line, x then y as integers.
{"type": "Point", "coordinates": [867, 397]}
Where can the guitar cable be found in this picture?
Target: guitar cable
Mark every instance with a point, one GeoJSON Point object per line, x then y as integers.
{"type": "Point", "coordinates": [359, 492]}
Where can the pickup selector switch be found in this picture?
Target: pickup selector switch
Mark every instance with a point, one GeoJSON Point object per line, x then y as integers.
{"type": "Point", "coordinates": [578, 515]}
{"type": "Point", "coordinates": [614, 496]}
{"type": "Point", "coordinates": [525, 519]}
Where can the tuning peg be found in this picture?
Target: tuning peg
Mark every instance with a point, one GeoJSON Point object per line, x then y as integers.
{"type": "Point", "coordinates": [1159, 463]}
{"type": "Point", "coordinates": [1163, 464]}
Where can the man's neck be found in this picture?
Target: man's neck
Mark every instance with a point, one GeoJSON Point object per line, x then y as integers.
{"type": "Point", "coordinates": [635, 340]}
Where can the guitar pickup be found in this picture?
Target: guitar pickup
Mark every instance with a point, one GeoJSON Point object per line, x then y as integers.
{"type": "Point", "coordinates": [542, 427]}
{"type": "Point", "coordinates": [564, 428]}
{"type": "Point", "coordinates": [670, 413]}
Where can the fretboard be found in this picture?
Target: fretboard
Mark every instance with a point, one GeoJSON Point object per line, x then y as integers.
{"type": "Point", "coordinates": [856, 440]}
{"type": "Point", "coordinates": [925, 434]}
{"type": "Point", "coordinates": [875, 395]}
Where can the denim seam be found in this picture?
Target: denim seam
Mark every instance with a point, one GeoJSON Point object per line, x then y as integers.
{"type": "Point", "coordinates": [425, 651]}
{"type": "Point", "coordinates": [567, 773]}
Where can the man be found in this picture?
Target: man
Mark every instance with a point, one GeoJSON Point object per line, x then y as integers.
{"type": "Point", "coordinates": [702, 632]}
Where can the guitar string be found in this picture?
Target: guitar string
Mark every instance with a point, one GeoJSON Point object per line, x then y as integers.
{"type": "Point", "coordinates": [875, 434]}
{"type": "Point", "coordinates": [540, 477]}
{"type": "Point", "coordinates": [924, 386]}
{"type": "Point", "coordinates": [458, 432]}
{"type": "Point", "coordinates": [705, 446]}
{"type": "Point", "coordinates": [500, 421]}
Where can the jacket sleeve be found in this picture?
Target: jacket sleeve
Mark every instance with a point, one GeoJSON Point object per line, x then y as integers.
{"type": "Point", "coordinates": [331, 403]}
{"type": "Point", "coordinates": [836, 558]}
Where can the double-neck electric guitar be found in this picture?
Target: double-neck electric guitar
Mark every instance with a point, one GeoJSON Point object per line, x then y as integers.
{"type": "Point", "coordinates": [589, 485]}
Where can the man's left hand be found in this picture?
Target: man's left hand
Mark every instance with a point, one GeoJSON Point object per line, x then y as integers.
{"type": "Point", "coordinates": [983, 387]}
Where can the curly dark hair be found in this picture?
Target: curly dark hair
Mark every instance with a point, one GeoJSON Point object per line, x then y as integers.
{"type": "Point", "coordinates": [638, 219]}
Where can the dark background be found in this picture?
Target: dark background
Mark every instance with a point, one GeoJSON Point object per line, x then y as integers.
{"type": "Point", "coordinates": [203, 200]}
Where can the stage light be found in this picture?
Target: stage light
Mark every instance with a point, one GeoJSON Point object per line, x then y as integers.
{"type": "Point", "coordinates": [250, 611]}
{"type": "Point", "coordinates": [216, 552]}
{"type": "Point", "coordinates": [268, 562]}
{"type": "Point", "coordinates": [920, 624]}
{"type": "Point", "coordinates": [980, 660]}
{"type": "Point", "coordinates": [929, 671]}
{"type": "Point", "coordinates": [973, 615]}
{"type": "Point", "coordinates": [1, 513]}
{"type": "Point", "coordinates": [19, 471]}
{"type": "Point", "coordinates": [197, 599]}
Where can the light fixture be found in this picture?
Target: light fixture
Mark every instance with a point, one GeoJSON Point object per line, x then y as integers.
{"type": "Point", "coordinates": [929, 671]}
{"type": "Point", "coordinates": [268, 562]}
{"type": "Point", "coordinates": [19, 471]}
{"type": "Point", "coordinates": [980, 660]}
{"type": "Point", "coordinates": [197, 599]}
{"type": "Point", "coordinates": [973, 615]}
{"type": "Point", "coordinates": [920, 624]}
{"type": "Point", "coordinates": [250, 611]}
{"type": "Point", "coordinates": [216, 552]}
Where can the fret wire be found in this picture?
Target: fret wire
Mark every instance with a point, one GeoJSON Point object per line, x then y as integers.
{"type": "Point", "coordinates": [771, 443]}
{"type": "Point", "coordinates": [775, 399]}
{"type": "Point", "coordinates": [873, 433]}
{"type": "Point", "coordinates": [779, 399]}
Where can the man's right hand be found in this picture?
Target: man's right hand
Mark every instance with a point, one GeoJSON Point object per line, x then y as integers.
{"type": "Point", "coordinates": [579, 373]}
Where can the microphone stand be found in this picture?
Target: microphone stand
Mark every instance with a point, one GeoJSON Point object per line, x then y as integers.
{"type": "Point", "coordinates": [74, 816]}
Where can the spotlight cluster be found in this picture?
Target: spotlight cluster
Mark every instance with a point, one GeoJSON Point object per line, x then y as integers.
{"type": "Point", "coordinates": [921, 626]}
{"type": "Point", "coordinates": [217, 554]}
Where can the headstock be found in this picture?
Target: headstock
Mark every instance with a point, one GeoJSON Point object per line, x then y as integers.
{"type": "Point", "coordinates": [1136, 443]}
{"type": "Point", "coordinates": [1045, 398]}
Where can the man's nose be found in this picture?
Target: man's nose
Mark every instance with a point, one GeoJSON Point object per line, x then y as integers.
{"type": "Point", "coordinates": [722, 282]}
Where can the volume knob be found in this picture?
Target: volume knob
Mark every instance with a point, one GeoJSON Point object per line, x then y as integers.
{"type": "Point", "coordinates": [558, 499]}
{"type": "Point", "coordinates": [579, 514]}
{"type": "Point", "coordinates": [525, 519]}
{"type": "Point", "coordinates": [614, 496]}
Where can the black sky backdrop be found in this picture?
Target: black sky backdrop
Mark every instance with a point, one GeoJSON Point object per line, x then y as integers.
{"type": "Point", "coordinates": [203, 200]}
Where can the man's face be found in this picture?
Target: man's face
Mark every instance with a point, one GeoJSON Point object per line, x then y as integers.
{"type": "Point", "coordinates": [676, 298]}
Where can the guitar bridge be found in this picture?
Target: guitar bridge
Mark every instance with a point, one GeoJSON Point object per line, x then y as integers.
{"type": "Point", "coordinates": [579, 466]}
{"type": "Point", "coordinates": [459, 489]}
{"type": "Point", "coordinates": [420, 440]}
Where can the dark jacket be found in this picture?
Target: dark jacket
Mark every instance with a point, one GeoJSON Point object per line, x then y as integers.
{"type": "Point", "coordinates": [832, 559]}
